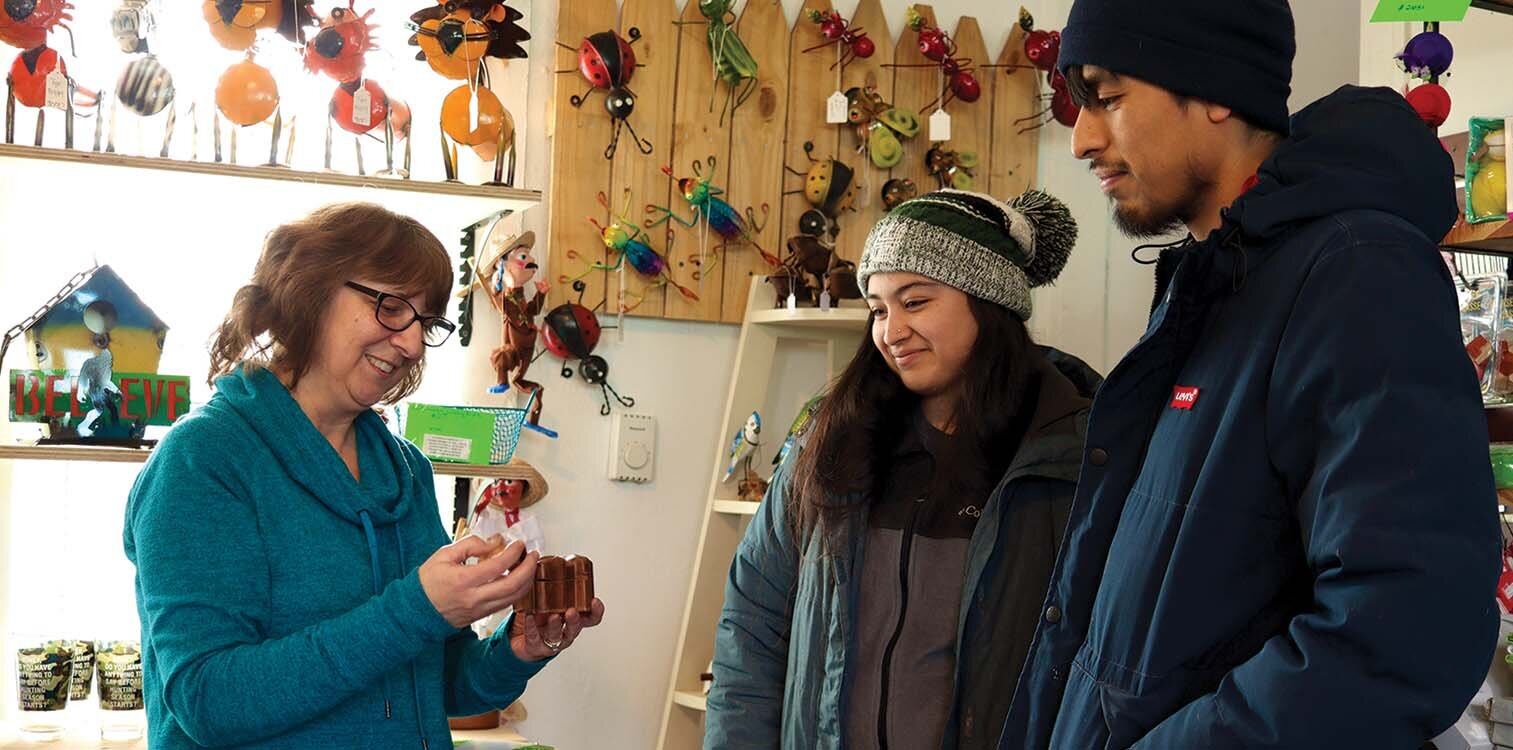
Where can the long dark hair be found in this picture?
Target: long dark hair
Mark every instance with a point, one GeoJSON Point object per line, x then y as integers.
{"type": "Point", "coordinates": [854, 431]}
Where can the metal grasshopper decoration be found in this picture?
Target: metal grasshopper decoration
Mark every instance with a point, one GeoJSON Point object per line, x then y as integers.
{"type": "Point", "coordinates": [629, 242]}
{"type": "Point", "coordinates": [733, 63]}
{"type": "Point", "coordinates": [710, 212]}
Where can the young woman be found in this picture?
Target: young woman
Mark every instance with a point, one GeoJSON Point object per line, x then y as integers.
{"type": "Point", "coordinates": [885, 594]}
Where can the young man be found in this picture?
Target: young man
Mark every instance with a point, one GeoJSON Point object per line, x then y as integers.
{"type": "Point", "coordinates": [1285, 532]}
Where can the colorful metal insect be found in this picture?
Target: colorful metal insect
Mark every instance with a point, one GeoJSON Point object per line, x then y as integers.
{"type": "Point", "coordinates": [607, 61]}
{"type": "Point", "coordinates": [26, 23]}
{"type": "Point", "coordinates": [853, 41]}
{"type": "Point", "coordinates": [629, 243]}
{"type": "Point", "coordinates": [880, 127]}
{"type": "Point", "coordinates": [246, 93]}
{"type": "Point", "coordinates": [572, 332]}
{"type": "Point", "coordinates": [731, 59]}
{"type": "Point", "coordinates": [454, 36]}
{"type": "Point", "coordinates": [28, 84]}
{"type": "Point", "coordinates": [898, 190]}
{"type": "Point", "coordinates": [830, 187]}
{"type": "Point", "coordinates": [952, 168]}
{"type": "Point", "coordinates": [938, 47]}
{"type": "Point", "coordinates": [1041, 47]}
{"type": "Point", "coordinates": [711, 212]}
{"type": "Point", "coordinates": [234, 23]}
{"type": "Point", "coordinates": [1059, 105]}
{"type": "Point", "coordinates": [1427, 55]}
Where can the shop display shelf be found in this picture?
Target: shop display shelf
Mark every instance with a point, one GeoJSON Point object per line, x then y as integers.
{"type": "Point", "coordinates": [689, 699]}
{"type": "Point", "coordinates": [1489, 238]}
{"type": "Point", "coordinates": [88, 453]}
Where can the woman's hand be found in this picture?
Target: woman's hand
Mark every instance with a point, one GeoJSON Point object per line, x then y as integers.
{"type": "Point", "coordinates": [536, 637]}
{"type": "Point", "coordinates": [465, 593]}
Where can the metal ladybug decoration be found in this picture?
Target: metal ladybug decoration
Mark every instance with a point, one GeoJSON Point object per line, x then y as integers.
{"type": "Point", "coordinates": [454, 36]}
{"type": "Point", "coordinates": [607, 61]}
{"type": "Point", "coordinates": [25, 23]}
{"type": "Point", "coordinates": [572, 331]}
{"type": "Point", "coordinates": [830, 187]}
{"type": "Point", "coordinates": [852, 41]}
{"type": "Point", "coordinates": [340, 47]}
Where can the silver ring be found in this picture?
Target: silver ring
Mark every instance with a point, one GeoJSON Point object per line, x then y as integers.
{"type": "Point", "coordinates": [553, 646]}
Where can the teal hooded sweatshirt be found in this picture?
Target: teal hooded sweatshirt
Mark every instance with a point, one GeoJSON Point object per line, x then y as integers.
{"type": "Point", "coordinates": [280, 601]}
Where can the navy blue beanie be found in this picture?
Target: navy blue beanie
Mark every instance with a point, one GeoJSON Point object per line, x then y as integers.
{"type": "Point", "coordinates": [1237, 53]}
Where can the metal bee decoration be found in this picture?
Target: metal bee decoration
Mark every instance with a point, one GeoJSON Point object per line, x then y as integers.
{"type": "Point", "coordinates": [630, 244]}
{"type": "Point", "coordinates": [952, 168]}
{"type": "Point", "coordinates": [880, 127]}
{"type": "Point", "coordinates": [731, 59]}
{"type": "Point", "coordinates": [898, 190]}
{"type": "Point", "coordinates": [853, 42]}
{"type": "Point", "coordinates": [454, 36]}
{"type": "Point", "coordinates": [607, 61]}
{"type": "Point", "coordinates": [830, 187]}
{"type": "Point", "coordinates": [571, 332]}
{"type": "Point", "coordinates": [710, 212]}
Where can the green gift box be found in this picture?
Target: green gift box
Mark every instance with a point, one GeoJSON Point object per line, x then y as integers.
{"type": "Point", "coordinates": [449, 433]}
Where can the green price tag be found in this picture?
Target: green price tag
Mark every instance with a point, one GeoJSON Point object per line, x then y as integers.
{"type": "Point", "coordinates": [1421, 11]}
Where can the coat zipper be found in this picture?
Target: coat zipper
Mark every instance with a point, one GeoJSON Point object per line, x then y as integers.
{"type": "Point", "coordinates": [906, 547]}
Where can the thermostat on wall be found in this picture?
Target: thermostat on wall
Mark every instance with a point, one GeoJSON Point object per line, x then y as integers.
{"type": "Point", "coordinates": [632, 448]}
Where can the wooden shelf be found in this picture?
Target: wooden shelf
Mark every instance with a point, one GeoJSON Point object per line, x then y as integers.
{"type": "Point", "coordinates": [1496, 6]}
{"type": "Point", "coordinates": [84, 453]}
{"type": "Point", "coordinates": [1490, 237]}
{"type": "Point", "coordinates": [103, 176]}
{"type": "Point", "coordinates": [736, 507]}
{"type": "Point", "coordinates": [836, 318]}
{"type": "Point", "coordinates": [690, 699]}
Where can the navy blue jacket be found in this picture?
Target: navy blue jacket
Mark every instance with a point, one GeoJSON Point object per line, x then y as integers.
{"type": "Point", "coordinates": [1302, 554]}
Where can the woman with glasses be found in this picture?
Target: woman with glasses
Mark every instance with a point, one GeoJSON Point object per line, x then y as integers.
{"type": "Point", "coordinates": [294, 580]}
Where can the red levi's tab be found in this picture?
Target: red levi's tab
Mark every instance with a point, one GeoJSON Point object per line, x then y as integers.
{"type": "Point", "coordinates": [1184, 397]}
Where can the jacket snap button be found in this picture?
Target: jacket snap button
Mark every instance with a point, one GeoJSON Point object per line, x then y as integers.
{"type": "Point", "coordinates": [1053, 614]}
{"type": "Point", "coordinates": [1097, 457]}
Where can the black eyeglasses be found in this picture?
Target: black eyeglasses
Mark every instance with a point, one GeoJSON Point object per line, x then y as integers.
{"type": "Point", "coordinates": [397, 314]}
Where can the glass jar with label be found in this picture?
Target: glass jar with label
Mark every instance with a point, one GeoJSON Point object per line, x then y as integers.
{"type": "Point", "coordinates": [119, 673]}
{"type": "Point", "coordinates": [44, 676]}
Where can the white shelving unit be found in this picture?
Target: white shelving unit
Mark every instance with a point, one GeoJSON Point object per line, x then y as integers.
{"type": "Point", "coordinates": [725, 517]}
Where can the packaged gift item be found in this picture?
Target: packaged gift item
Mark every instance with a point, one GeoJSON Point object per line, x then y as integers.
{"type": "Point", "coordinates": [1487, 170]}
{"type": "Point", "coordinates": [1480, 312]}
{"type": "Point", "coordinates": [1502, 371]}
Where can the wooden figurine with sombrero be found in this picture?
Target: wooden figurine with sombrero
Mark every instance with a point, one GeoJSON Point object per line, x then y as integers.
{"type": "Point", "coordinates": [503, 279]}
{"type": "Point", "coordinates": [500, 507]}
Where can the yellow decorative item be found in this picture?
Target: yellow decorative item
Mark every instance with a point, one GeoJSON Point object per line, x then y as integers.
{"type": "Point", "coordinates": [247, 93]}
{"type": "Point", "coordinates": [1489, 191]}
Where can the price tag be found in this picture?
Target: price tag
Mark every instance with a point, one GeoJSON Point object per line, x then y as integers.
{"type": "Point", "coordinates": [793, 302]}
{"type": "Point", "coordinates": [940, 126]}
{"type": "Point", "coordinates": [1421, 11]}
{"type": "Point", "coordinates": [57, 87]}
{"type": "Point", "coordinates": [836, 109]}
{"type": "Point", "coordinates": [362, 107]}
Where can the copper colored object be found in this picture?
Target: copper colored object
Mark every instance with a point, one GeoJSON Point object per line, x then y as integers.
{"type": "Point", "coordinates": [487, 720]}
{"type": "Point", "coordinates": [562, 583]}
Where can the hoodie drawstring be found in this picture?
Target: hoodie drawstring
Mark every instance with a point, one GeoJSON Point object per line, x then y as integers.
{"type": "Point", "coordinates": [367, 530]}
{"type": "Point", "coordinates": [414, 680]}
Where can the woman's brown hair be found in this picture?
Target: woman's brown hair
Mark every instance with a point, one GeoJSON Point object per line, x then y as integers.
{"type": "Point", "coordinates": [275, 319]}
